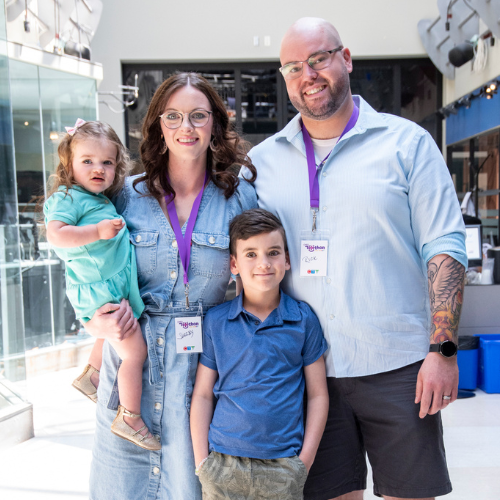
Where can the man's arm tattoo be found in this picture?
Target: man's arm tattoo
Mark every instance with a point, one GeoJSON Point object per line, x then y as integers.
{"type": "Point", "coordinates": [446, 288]}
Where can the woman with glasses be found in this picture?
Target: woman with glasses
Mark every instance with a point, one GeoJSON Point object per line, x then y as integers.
{"type": "Point", "coordinates": [178, 215]}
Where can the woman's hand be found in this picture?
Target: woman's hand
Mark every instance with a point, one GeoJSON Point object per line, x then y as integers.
{"type": "Point", "coordinates": [112, 322]}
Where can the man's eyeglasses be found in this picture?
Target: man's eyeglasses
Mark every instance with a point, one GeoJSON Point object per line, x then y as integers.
{"type": "Point", "coordinates": [320, 60]}
{"type": "Point", "coordinates": [174, 119]}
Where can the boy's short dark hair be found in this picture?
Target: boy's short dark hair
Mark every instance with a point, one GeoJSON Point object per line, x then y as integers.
{"type": "Point", "coordinates": [252, 223]}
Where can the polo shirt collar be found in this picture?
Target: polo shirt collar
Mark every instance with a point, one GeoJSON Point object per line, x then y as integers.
{"type": "Point", "coordinates": [288, 309]}
{"type": "Point", "coordinates": [368, 119]}
{"type": "Point", "coordinates": [76, 187]}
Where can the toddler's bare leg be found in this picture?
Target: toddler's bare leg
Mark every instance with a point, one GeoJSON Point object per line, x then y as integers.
{"type": "Point", "coordinates": [132, 352]}
{"type": "Point", "coordinates": [95, 360]}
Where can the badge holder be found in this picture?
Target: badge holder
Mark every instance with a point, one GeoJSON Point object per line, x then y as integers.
{"type": "Point", "coordinates": [188, 332]}
{"type": "Point", "coordinates": [314, 253]}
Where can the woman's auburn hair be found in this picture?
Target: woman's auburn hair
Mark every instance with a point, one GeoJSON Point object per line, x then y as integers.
{"type": "Point", "coordinates": [63, 175]}
{"type": "Point", "coordinates": [227, 151]}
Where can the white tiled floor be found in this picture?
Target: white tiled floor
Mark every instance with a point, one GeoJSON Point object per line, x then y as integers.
{"type": "Point", "coordinates": [472, 440]}
{"type": "Point", "coordinates": [55, 464]}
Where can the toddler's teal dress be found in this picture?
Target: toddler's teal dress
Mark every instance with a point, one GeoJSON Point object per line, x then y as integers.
{"type": "Point", "coordinates": [100, 272]}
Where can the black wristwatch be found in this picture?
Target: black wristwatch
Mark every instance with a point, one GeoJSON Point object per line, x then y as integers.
{"type": "Point", "coordinates": [447, 348]}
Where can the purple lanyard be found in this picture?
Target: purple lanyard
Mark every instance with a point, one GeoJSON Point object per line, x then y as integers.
{"type": "Point", "coordinates": [184, 241]}
{"type": "Point", "coordinates": [311, 163]}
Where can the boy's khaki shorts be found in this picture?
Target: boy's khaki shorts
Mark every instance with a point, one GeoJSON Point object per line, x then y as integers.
{"type": "Point", "coordinates": [237, 478]}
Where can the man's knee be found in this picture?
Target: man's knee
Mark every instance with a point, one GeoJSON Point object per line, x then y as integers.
{"type": "Point", "coordinates": [353, 495]}
{"type": "Point", "coordinates": [397, 498]}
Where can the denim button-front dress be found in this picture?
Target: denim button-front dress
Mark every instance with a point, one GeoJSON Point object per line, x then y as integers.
{"type": "Point", "coordinates": [121, 470]}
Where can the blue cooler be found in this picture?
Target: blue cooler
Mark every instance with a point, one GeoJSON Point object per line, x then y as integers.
{"type": "Point", "coordinates": [489, 362]}
{"type": "Point", "coordinates": [467, 358]}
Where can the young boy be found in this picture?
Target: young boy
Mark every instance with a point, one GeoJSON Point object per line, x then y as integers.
{"type": "Point", "coordinates": [259, 350]}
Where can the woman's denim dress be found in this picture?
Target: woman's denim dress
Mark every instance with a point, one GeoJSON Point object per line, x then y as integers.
{"type": "Point", "coordinates": [122, 470]}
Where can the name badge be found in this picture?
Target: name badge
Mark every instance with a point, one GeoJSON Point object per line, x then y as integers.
{"type": "Point", "coordinates": [313, 257]}
{"type": "Point", "coordinates": [188, 337]}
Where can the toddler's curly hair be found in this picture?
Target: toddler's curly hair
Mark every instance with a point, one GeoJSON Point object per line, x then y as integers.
{"type": "Point", "coordinates": [63, 175]}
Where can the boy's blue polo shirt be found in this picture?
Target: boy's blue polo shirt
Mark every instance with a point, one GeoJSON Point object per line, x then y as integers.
{"type": "Point", "coordinates": [260, 389]}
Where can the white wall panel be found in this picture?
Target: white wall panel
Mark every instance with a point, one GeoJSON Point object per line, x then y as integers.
{"type": "Point", "coordinates": [224, 30]}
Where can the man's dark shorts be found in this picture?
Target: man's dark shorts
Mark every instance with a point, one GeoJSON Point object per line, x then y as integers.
{"type": "Point", "coordinates": [377, 414]}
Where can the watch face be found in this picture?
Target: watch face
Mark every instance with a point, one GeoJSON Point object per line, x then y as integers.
{"type": "Point", "coordinates": [448, 348]}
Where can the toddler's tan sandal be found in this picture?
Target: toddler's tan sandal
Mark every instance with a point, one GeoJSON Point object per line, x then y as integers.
{"type": "Point", "coordinates": [85, 385]}
{"type": "Point", "coordinates": [120, 428]}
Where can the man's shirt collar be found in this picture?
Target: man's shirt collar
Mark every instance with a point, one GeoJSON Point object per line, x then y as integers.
{"type": "Point", "coordinates": [287, 310]}
{"type": "Point", "coordinates": [368, 119]}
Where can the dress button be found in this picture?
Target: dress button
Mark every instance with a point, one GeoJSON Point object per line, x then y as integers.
{"type": "Point", "coordinates": [324, 209]}
{"type": "Point", "coordinates": [161, 374]}
{"type": "Point", "coordinates": [332, 316]}
{"type": "Point", "coordinates": [138, 238]}
{"type": "Point", "coordinates": [211, 240]}
{"type": "Point", "coordinates": [174, 243]}
{"type": "Point", "coordinates": [324, 174]}
{"type": "Point", "coordinates": [159, 341]}
{"type": "Point", "coordinates": [157, 406]}
{"type": "Point", "coordinates": [156, 471]}
{"type": "Point", "coordinates": [328, 280]}
{"type": "Point", "coordinates": [256, 323]}
{"type": "Point", "coordinates": [173, 275]}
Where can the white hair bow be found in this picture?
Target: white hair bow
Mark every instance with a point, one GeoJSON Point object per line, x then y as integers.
{"type": "Point", "coordinates": [78, 124]}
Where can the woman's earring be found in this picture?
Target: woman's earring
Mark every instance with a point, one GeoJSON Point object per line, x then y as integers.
{"type": "Point", "coordinates": [213, 147]}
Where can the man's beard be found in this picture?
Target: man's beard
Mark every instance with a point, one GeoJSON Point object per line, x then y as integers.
{"type": "Point", "coordinates": [337, 97]}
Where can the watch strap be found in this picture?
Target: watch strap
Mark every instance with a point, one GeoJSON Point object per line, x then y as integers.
{"type": "Point", "coordinates": [447, 348]}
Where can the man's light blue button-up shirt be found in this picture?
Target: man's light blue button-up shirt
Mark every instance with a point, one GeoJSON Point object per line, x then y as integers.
{"type": "Point", "coordinates": [388, 202]}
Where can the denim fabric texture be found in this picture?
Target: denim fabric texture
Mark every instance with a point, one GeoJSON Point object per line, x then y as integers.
{"type": "Point", "coordinates": [120, 469]}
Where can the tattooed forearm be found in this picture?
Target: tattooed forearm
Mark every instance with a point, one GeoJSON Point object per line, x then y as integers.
{"type": "Point", "coordinates": [446, 287]}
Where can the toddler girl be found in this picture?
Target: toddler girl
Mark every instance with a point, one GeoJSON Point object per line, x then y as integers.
{"type": "Point", "coordinates": [90, 236]}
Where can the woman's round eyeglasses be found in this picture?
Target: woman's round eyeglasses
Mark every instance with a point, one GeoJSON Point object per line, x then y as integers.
{"type": "Point", "coordinates": [197, 118]}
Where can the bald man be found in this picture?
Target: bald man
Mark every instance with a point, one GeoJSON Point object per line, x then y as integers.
{"type": "Point", "coordinates": [377, 248]}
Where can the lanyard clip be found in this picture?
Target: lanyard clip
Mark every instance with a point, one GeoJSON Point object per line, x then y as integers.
{"type": "Point", "coordinates": [315, 214]}
{"type": "Point", "coordinates": [186, 293]}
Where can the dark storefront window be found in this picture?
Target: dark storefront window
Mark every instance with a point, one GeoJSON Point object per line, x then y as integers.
{"type": "Point", "coordinates": [474, 166]}
{"type": "Point", "coordinates": [256, 99]}
{"type": "Point", "coordinates": [410, 88]}
{"type": "Point", "coordinates": [253, 94]}
{"type": "Point", "coordinates": [148, 82]}
{"type": "Point", "coordinates": [259, 104]}
{"type": "Point", "coordinates": [375, 83]}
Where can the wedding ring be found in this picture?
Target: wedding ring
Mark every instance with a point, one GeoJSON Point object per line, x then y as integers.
{"type": "Point", "coordinates": [446, 397]}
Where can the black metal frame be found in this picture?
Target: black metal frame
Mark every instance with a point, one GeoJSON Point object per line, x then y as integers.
{"type": "Point", "coordinates": [282, 114]}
